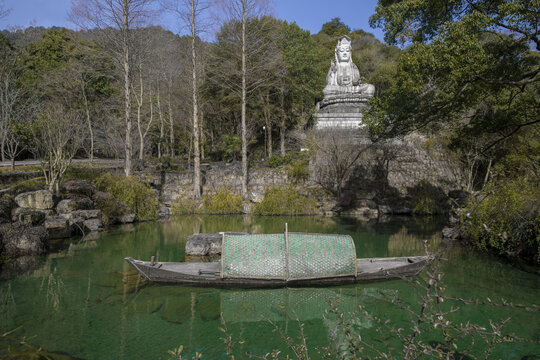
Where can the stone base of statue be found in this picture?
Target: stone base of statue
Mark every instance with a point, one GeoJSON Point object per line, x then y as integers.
{"type": "Point", "coordinates": [343, 111]}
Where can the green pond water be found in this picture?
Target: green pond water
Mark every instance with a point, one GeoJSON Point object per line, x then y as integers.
{"type": "Point", "coordinates": [83, 300]}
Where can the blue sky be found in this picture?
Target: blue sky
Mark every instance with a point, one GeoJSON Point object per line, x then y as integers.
{"type": "Point", "coordinates": [308, 14]}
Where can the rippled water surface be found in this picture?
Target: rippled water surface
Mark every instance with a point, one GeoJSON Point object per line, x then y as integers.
{"type": "Point", "coordinates": [85, 301]}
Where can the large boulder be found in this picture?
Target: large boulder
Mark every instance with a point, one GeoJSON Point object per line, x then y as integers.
{"type": "Point", "coordinates": [205, 244]}
{"type": "Point", "coordinates": [21, 239]}
{"type": "Point", "coordinates": [125, 218]}
{"type": "Point", "coordinates": [452, 233]}
{"type": "Point", "coordinates": [82, 187]}
{"type": "Point", "coordinates": [92, 225]}
{"type": "Point", "coordinates": [86, 214]}
{"type": "Point", "coordinates": [39, 200]}
{"type": "Point", "coordinates": [74, 203]}
{"type": "Point", "coordinates": [83, 221]}
{"type": "Point", "coordinates": [57, 227]}
{"type": "Point", "coordinates": [29, 216]}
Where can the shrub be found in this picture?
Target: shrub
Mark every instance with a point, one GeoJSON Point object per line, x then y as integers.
{"type": "Point", "coordinates": [110, 207]}
{"type": "Point", "coordinates": [507, 220]}
{"type": "Point", "coordinates": [232, 146]}
{"type": "Point", "coordinates": [427, 199]}
{"type": "Point", "coordinates": [223, 202]}
{"type": "Point", "coordinates": [275, 160]}
{"type": "Point", "coordinates": [139, 197]}
{"type": "Point", "coordinates": [287, 201]}
{"type": "Point", "coordinates": [426, 206]}
{"type": "Point", "coordinates": [166, 163]}
{"type": "Point", "coordinates": [185, 206]}
{"type": "Point", "coordinates": [298, 170]}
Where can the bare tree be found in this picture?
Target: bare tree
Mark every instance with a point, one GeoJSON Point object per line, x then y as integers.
{"type": "Point", "coordinates": [17, 135]}
{"type": "Point", "coordinates": [10, 92]}
{"type": "Point", "coordinates": [337, 153]}
{"type": "Point", "coordinates": [238, 14]}
{"type": "Point", "coordinates": [191, 14]}
{"type": "Point", "coordinates": [142, 126]}
{"type": "Point", "coordinates": [117, 18]}
{"type": "Point", "coordinates": [57, 135]}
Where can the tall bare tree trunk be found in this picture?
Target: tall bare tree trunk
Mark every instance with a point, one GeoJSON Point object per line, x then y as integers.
{"type": "Point", "coordinates": [127, 88]}
{"type": "Point", "coordinates": [161, 125]}
{"type": "Point", "coordinates": [139, 99]}
{"type": "Point", "coordinates": [244, 96]}
{"type": "Point", "coordinates": [269, 138]}
{"type": "Point", "coordinates": [171, 122]}
{"type": "Point", "coordinates": [89, 123]}
{"type": "Point", "coordinates": [282, 127]}
{"type": "Point", "coordinates": [201, 123]}
{"type": "Point", "coordinates": [196, 152]}
{"type": "Point", "coordinates": [268, 122]}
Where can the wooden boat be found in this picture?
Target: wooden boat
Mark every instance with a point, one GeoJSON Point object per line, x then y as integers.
{"type": "Point", "coordinates": [288, 259]}
{"type": "Point", "coordinates": [210, 274]}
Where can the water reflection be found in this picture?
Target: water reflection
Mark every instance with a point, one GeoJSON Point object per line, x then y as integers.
{"type": "Point", "coordinates": [86, 301]}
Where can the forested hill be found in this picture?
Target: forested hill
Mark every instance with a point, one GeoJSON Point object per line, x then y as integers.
{"type": "Point", "coordinates": [290, 76]}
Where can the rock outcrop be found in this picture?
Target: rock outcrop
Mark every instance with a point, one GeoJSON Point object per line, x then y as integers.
{"type": "Point", "coordinates": [38, 200]}
{"type": "Point", "coordinates": [75, 203]}
{"type": "Point", "coordinates": [57, 227]}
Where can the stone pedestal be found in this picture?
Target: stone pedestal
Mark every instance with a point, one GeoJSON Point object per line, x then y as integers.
{"type": "Point", "coordinates": [338, 120]}
{"type": "Point", "coordinates": [340, 112]}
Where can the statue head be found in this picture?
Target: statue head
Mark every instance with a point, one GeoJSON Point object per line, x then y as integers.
{"type": "Point", "coordinates": [344, 49]}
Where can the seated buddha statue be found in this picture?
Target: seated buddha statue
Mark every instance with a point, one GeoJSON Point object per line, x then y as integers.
{"type": "Point", "coordinates": [343, 77]}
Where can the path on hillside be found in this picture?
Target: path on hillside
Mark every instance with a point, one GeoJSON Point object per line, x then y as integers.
{"type": "Point", "coordinates": [75, 161]}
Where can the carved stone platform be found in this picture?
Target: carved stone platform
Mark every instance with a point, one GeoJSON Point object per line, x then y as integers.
{"type": "Point", "coordinates": [343, 112]}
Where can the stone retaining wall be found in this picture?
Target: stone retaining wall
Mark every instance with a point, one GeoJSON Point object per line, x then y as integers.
{"type": "Point", "coordinates": [171, 185]}
{"type": "Point", "coordinates": [396, 166]}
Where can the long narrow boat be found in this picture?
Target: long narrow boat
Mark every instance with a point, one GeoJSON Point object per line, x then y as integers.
{"type": "Point", "coordinates": [289, 259]}
{"type": "Point", "coordinates": [209, 273]}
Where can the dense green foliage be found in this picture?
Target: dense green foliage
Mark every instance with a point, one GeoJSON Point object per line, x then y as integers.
{"type": "Point", "coordinates": [507, 220]}
{"type": "Point", "coordinates": [223, 201]}
{"type": "Point", "coordinates": [184, 205]}
{"type": "Point", "coordinates": [285, 201]}
{"type": "Point", "coordinates": [298, 168]}
{"type": "Point", "coordinates": [427, 199]}
{"type": "Point", "coordinates": [470, 74]}
{"type": "Point", "coordinates": [138, 197]}
{"type": "Point", "coordinates": [296, 164]}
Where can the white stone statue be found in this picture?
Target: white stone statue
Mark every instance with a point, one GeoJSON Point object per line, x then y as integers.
{"type": "Point", "coordinates": [343, 76]}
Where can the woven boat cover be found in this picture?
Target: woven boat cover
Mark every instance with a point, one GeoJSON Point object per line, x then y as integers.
{"type": "Point", "coordinates": [294, 256]}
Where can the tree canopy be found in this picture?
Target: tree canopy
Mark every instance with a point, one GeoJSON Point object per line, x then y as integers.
{"type": "Point", "coordinates": [470, 70]}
